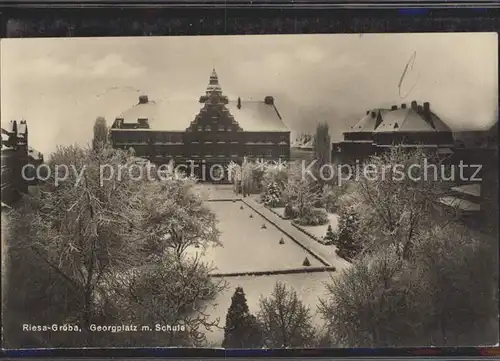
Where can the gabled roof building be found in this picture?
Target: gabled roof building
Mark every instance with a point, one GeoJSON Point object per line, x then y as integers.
{"type": "Point", "coordinates": [214, 130]}
{"type": "Point", "coordinates": [378, 129]}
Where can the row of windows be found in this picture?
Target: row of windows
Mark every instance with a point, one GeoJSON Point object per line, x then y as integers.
{"type": "Point", "coordinates": [146, 137]}
{"type": "Point", "coordinates": [265, 154]}
{"type": "Point", "coordinates": [208, 128]}
{"type": "Point", "coordinates": [214, 142]}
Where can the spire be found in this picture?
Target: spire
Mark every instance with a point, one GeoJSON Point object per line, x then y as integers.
{"type": "Point", "coordinates": [213, 83]}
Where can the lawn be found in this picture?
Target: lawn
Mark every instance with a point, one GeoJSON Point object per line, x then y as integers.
{"type": "Point", "coordinates": [246, 247]}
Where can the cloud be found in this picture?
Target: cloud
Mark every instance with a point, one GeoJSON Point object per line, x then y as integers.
{"type": "Point", "coordinates": [109, 66]}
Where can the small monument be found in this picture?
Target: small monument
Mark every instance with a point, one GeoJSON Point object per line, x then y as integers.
{"type": "Point", "coordinates": [263, 226]}
{"type": "Point", "coordinates": [251, 215]}
{"type": "Point", "coordinates": [306, 262]}
{"type": "Point", "coordinates": [282, 241]}
{"type": "Point", "coordinates": [241, 207]}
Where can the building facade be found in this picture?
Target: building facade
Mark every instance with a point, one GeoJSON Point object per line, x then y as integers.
{"type": "Point", "coordinates": [209, 133]}
{"type": "Point", "coordinates": [16, 153]}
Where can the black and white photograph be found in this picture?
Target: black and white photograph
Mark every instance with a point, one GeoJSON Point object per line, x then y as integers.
{"type": "Point", "coordinates": [256, 191]}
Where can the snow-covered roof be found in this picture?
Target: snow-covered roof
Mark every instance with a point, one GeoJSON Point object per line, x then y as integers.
{"type": "Point", "coordinates": [177, 115]}
{"type": "Point", "coordinates": [5, 205]}
{"type": "Point", "coordinates": [400, 119]}
{"type": "Point", "coordinates": [460, 204]}
{"type": "Point", "coordinates": [35, 154]}
{"type": "Point", "coordinates": [470, 189]}
{"type": "Point", "coordinates": [367, 123]}
{"type": "Point", "coordinates": [5, 137]}
{"type": "Point", "coordinates": [257, 116]}
{"type": "Point", "coordinates": [409, 120]}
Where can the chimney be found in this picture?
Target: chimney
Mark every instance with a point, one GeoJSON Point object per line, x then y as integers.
{"type": "Point", "coordinates": [414, 105]}
{"type": "Point", "coordinates": [394, 107]}
{"type": "Point", "coordinates": [12, 130]}
{"type": "Point", "coordinates": [367, 112]}
{"type": "Point", "coordinates": [143, 99]}
{"type": "Point", "coordinates": [269, 100]}
{"type": "Point", "coordinates": [420, 109]}
{"type": "Point", "coordinates": [373, 114]}
{"type": "Point", "coordinates": [403, 106]}
{"type": "Point", "coordinates": [239, 103]}
{"type": "Point", "coordinates": [427, 114]}
{"type": "Point", "coordinates": [427, 108]}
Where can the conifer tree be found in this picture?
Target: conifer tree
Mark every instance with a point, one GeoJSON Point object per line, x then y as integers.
{"type": "Point", "coordinates": [330, 235]}
{"type": "Point", "coordinates": [346, 239]}
{"type": "Point", "coordinates": [242, 329]}
{"type": "Point", "coordinates": [273, 196]}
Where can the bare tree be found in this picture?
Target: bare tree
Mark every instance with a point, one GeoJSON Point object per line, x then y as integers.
{"type": "Point", "coordinates": [246, 177]}
{"type": "Point", "coordinates": [285, 320]}
{"type": "Point", "coordinates": [101, 132]}
{"type": "Point", "coordinates": [175, 294]}
{"type": "Point", "coordinates": [301, 191]}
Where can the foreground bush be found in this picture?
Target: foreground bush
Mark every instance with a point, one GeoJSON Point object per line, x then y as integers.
{"type": "Point", "coordinates": [291, 211]}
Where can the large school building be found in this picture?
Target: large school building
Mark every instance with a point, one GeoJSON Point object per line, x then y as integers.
{"type": "Point", "coordinates": [212, 130]}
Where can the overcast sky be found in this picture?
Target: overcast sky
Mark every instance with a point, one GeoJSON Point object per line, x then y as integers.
{"type": "Point", "coordinates": [60, 85]}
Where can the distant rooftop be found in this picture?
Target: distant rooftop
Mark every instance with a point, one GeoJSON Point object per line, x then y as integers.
{"type": "Point", "coordinates": [414, 118]}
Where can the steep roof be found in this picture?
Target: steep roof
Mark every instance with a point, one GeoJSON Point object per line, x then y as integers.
{"type": "Point", "coordinates": [256, 116]}
{"type": "Point", "coordinates": [408, 120]}
{"type": "Point", "coordinates": [400, 119]}
{"type": "Point", "coordinates": [367, 123]}
{"type": "Point", "coordinates": [164, 115]}
{"type": "Point", "coordinates": [177, 115]}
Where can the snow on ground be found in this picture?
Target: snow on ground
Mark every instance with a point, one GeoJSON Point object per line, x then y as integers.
{"type": "Point", "coordinates": [279, 210]}
{"type": "Point", "coordinates": [216, 191]}
{"type": "Point", "coordinates": [309, 287]}
{"type": "Point", "coordinates": [320, 231]}
{"type": "Point", "coordinates": [246, 247]}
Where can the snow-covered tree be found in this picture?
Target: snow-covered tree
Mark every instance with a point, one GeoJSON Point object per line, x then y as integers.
{"type": "Point", "coordinates": [273, 196]}
{"type": "Point", "coordinates": [89, 235]}
{"type": "Point", "coordinates": [380, 300]}
{"type": "Point", "coordinates": [330, 235]}
{"type": "Point", "coordinates": [246, 177]}
{"type": "Point", "coordinates": [398, 200]}
{"type": "Point", "coordinates": [301, 191]}
{"type": "Point", "coordinates": [347, 238]}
